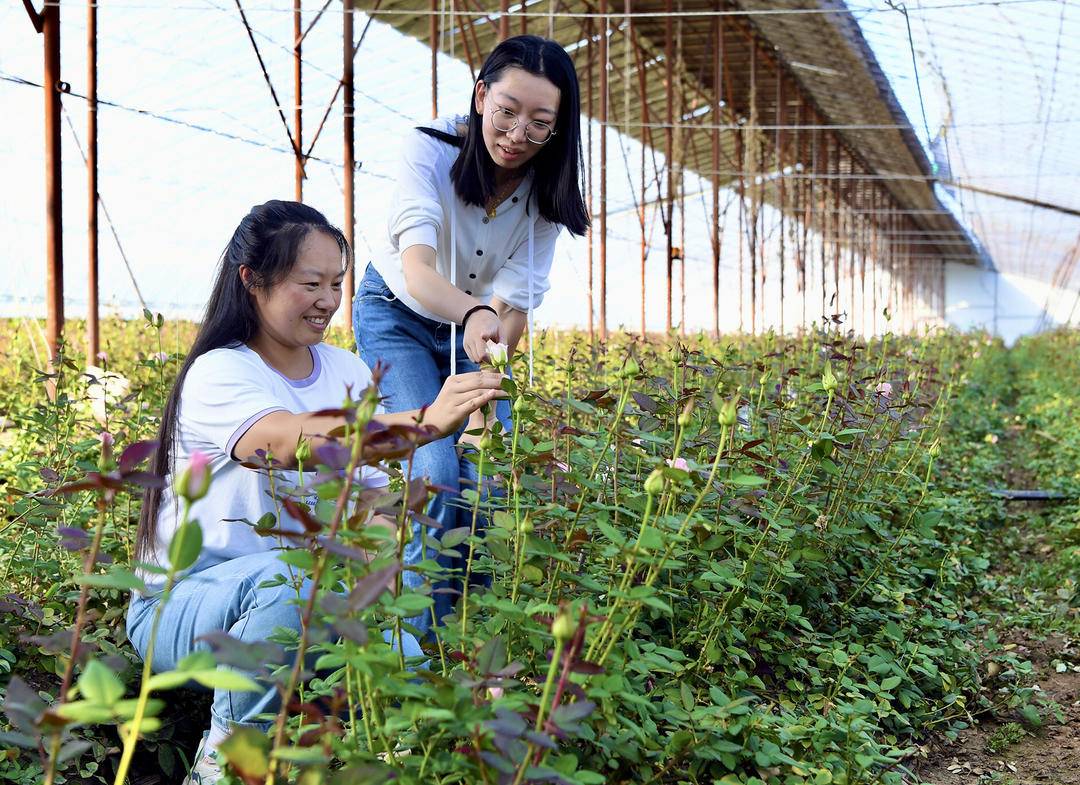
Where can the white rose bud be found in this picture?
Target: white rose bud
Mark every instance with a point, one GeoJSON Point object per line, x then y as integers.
{"type": "Point", "coordinates": [497, 354]}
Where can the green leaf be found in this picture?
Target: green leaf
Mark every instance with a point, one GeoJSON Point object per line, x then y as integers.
{"type": "Point", "coordinates": [168, 680]}
{"type": "Point", "coordinates": [247, 750]}
{"type": "Point", "coordinates": [412, 604]}
{"type": "Point", "coordinates": [98, 684]}
{"type": "Point", "coordinates": [299, 558]}
{"type": "Point", "coordinates": [891, 683]}
{"type": "Point", "coordinates": [117, 578]}
{"type": "Point", "coordinates": [454, 537]}
{"type": "Point", "coordinates": [185, 545]}
{"type": "Point", "coordinates": [303, 755]}
{"type": "Point", "coordinates": [197, 661]}
{"type": "Point", "coordinates": [226, 679]}
{"type": "Point", "coordinates": [746, 479]}
{"type": "Point", "coordinates": [85, 712]}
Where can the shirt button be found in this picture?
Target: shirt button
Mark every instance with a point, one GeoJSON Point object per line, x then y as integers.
{"type": "Point", "coordinates": [514, 200]}
{"type": "Point", "coordinates": [472, 275]}
{"type": "Point", "coordinates": [484, 220]}
{"type": "Point", "coordinates": [479, 252]}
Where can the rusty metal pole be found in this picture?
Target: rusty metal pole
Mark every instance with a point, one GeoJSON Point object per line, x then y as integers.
{"type": "Point", "coordinates": [298, 74]}
{"type": "Point", "coordinates": [93, 336]}
{"type": "Point", "coordinates": [433, 34]}
{"type": "Point", "coordinates": [646, 135]}
{"type": "Point", "coordinates": [718, 87]}
{"type": "Point", "coordinates": [348, 88]}
{"type": "Point", "coordinates": [603, 168]}
{"type": "Point", "coordinates": [504, 19]}
{"type": "Point", "coordinates": [524, 18]}
{"type": "Point", "coordinates": [780, 182]}
{"type": "Point", "coordinates": [669, 138]}
{"type": "Point", "coordinates": [590, 103]}
{"type": "Point", "coordinates": [54, 248]}
{"type": "Point", "coordinates": [755, 204]}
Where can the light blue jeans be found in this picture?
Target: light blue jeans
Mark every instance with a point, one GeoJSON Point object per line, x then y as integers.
{"type": "Point", "coordinates": [417, 351]}
{"type": "Point", "coordinates": [226, 597]}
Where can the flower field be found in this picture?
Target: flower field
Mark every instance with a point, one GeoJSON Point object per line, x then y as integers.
{"type": "Point", "coordinates": [762, 560]}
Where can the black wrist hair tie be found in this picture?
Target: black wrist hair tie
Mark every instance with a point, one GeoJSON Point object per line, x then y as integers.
{"type": "Point", "coordinates": [474, 309]}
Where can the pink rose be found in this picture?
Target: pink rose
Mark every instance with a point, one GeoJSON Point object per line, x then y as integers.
{"type": "Point", "coordinates": [884, 390]}
{"type": "Point", "coordinates": [194, 482]}
{"type": "Point", "coordinates": [678, 463]}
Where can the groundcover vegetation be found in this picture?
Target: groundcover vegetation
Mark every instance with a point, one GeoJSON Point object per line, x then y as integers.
{"type": "Point", "coordinates": [741, 561]}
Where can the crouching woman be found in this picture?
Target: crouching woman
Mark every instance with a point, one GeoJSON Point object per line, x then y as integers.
{"type": "Point", "coordinates": [255, 379]}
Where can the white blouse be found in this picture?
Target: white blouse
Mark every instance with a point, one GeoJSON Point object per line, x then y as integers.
{"type": "Point", "coordinates": [508, 256]}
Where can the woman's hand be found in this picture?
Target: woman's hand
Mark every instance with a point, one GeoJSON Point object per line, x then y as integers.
{"type": "Point", "coordinates": [482, 326]}
{"type": "Point", "coordinates": [462, 395]}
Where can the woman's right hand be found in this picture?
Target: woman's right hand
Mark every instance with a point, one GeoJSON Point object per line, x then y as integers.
{"type": "Point", "coordinates": [461, 395]}
{"type": "Point", "coordinates": [482, 326]}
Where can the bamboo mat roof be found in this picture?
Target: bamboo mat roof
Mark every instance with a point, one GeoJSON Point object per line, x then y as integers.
{"type": "Point", "coordinates": [807, 65]}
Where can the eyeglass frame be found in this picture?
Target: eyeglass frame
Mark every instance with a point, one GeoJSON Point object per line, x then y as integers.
{"type": "Point", "coordinates": [517, 122]}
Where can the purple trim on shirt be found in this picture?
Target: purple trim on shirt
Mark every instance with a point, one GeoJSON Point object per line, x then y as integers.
{"type": "Point", "coordinates": [238, 434]}
{"type": "Point", "coordinates": [316, 368]}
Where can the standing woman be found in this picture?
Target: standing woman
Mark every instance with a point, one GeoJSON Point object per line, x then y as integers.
{"type": "Point", "coordinates": [473, 219]}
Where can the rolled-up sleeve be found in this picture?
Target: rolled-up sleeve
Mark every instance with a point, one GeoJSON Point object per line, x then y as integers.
{"type": "Point", "coordinates": [416, 214]}
{"type": "Point", "coordinates": [511, 282]}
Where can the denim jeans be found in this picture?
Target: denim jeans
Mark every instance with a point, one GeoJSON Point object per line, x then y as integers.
{"type": "Point", "coordinates": [417, 352]}
{"type": "Point", "coordinates": [228, 596]}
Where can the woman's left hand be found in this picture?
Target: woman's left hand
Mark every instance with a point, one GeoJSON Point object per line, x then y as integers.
{"type": "Point", "coordinates": [460, 396]}
{"type": "Point", "coordinates": [482, 326]}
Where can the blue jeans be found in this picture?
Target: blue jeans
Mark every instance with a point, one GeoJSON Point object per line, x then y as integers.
{"type": "Point", "coordinates": [226, 597]}
{"type": "Point", "coordinates": [417, 351]}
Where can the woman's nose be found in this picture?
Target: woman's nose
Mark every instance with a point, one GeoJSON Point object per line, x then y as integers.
{"type": "Point", "coordinates": [517, 133]}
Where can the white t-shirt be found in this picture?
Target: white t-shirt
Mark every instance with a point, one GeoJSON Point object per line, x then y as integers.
{"type": "Point", "coordinates": [225, 392]}
{"type": "Point", "coordinates": [492, 254]}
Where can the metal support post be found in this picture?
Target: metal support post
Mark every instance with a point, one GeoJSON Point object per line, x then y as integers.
{"type": "Point", "coordinates": [718, 87]}
{"type": "Point", "coordinates": [349, 184]}
{"type": "Point", "coordinates": [433, 35]}
{"type": "Point", "coordinates": [590, 102]}
{"type": "Point", "coordinates": [603, 167]}
{"type": "Point", "coordinates": [93, 335]}
{"type": "Point", "coordinates": [298, 92]}
{"type": "Point", "coordinates": [669, 147]}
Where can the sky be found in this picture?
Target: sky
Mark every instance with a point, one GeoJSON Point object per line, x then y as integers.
{"type": "Point", "coordinates": [1000, 78]}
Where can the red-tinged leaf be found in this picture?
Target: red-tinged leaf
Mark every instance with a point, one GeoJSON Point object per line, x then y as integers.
{"type": "Point", "coordinates": [48, 475]}
{"type": "Point", "coordinates": [301, 513]}
{"type": "Point", "coordinates": [330, 413]}
{"type": "Point", "coordinates": [338, 548]}
{"type": "Point", "coordinates": [135, 454]}
{"type": "Point", "coordinates": [568, 430]}
{"type": "Point", "coordinates": [595, 395]}
{"type": "Point", "coordinates": [370, 587]}
{"type": "Point", "coordinates": [750, 445]}
{"type": "Point", "coordinates": [589, 668]}
{"type": "Point", "coordinates": [417, 497]}
{"type": "Point", "coordinates": [90, 482]}
{"type": "Point", "coordinates": [145, 479]}
{"type": "Point", "coordinates": [646, 403]}
{"type": "Point", "coordinates": [354, 630]}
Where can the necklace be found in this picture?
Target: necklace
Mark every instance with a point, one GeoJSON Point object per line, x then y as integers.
{"type": "Point", "coordinates": [500, 195]}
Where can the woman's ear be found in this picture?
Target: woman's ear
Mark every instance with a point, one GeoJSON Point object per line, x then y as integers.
{"type": "Point", "coordinates": [247, 277]}
{"type": "Point", "coordinates": [479, 94]}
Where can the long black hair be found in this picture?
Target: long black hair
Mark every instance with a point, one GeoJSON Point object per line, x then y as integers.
{"type": "Point", "coordinates": [557, 169]}
{"type": "Point", "coordinates": [267, 241]}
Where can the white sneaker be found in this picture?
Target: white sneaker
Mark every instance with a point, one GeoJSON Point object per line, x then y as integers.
{"type": "Point", "coordinates": [206, 771]}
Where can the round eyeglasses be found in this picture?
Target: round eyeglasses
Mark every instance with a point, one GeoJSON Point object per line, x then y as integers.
{"type": "Point", "coordinates": [505, 121]}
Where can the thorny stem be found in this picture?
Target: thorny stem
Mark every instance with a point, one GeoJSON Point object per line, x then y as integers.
{"type": "Point", "coordinates": [76, 633]}
{"type": "Point", "coordinates": [309, 607]}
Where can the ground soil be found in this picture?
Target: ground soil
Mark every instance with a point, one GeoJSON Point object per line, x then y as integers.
{"type": "Point", "coordinates": [1049, 755]}
{"type": "Point", "coordinates": [1046, 756]}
